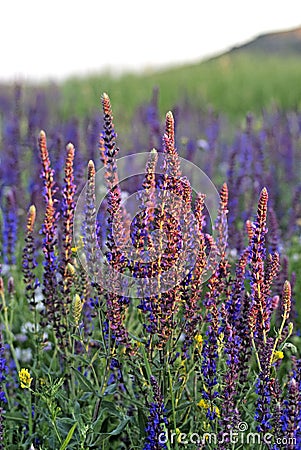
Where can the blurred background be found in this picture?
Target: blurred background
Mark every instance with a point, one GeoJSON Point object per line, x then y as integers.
{"type": "Point", "coordinates": [206, 52]}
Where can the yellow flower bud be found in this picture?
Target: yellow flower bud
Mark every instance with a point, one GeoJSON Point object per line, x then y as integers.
{"type": "Point", "coordinates": [277, 355]}
{"type": "Point", "coordinates": [25, 379]}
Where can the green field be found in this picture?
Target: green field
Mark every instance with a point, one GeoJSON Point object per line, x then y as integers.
{"type": "Point", "coordinates": [233, 84]}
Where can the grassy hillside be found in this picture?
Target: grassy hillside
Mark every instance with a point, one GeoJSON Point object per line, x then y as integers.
{"type": "Point", "coordinates": [280, 43]}
{"type": "Point", "coordinates": [233, 84]}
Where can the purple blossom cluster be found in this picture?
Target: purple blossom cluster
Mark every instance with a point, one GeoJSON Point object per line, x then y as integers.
{"type": "Point", "coordinates": [156, 419]}
{"type": "Point", "coordinates": [3, 399]}
{"type": "Point", "coordinates": [136, 355]}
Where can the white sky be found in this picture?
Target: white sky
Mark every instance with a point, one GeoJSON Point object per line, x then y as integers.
{"type": "Point", "coordinates": [56, 38]}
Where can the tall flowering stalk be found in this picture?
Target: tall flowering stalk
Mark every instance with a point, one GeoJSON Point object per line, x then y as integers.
{"type": "Point", "coordinates": [237, 308]}
{"type": "Point", "coordinates": [232, 349]}
{"type": "Point", "coordinates": [116, 236]}
{"type": "Point", "coordinates": [172, 256]}
{"type": "Point", "coordinates": [29, 263]}
{"type": "Point", "coordinates": [192, 304]}
{"type": "Point", "coordinates": [296, 400]}
{"type": "Point", "coordinates": [90, 237]}
{"type": "Point", "coordinates": [163, 213]}
{"type": "Point", "coordinates": [171, 191]}
{"type": "Point", "coordinates": [234, 301]}
{"type": "Point", "coordinates": [10, 227]}
{"type": "Point", "coordinates": [149, 188]}
{"type": "Point", "coordinates": [237, 344]}
{"type": "Point", "coordinates": [277, 423]}
{"type": "Point", "coordinates": [165, 305]}
{"type": "Point", "coordinates": [209, 362]}
{"type": "Point", "coordinates": [156, 420]}
{"type": "Point", "coordinates": [68, 206]}
{"type": "Point", "coordinates": [259, 317]}
{"type": "Point", "coordinates": [53, 307]}
{"type": "Point", "coordinates": [188, 246]}
{"type": "Point", "coordinates": [3, 400]}
{"type": "Point", "coordinates": [144, 252]}
{"type": "Point", "coordinates": [216, 284]}
{"type": "Point", "coordinates": [210, 348]}
{"type": "Point", "coordinates": [221, 226]}
{"type": "Point", "coordinates": [173, 170]}
{"type": "Point", "coordinates": [263, 413]}
{"type": "Point", "coordinates": [291, 415]}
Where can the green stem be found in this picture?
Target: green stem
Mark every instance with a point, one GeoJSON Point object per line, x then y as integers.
{"type": "Point", "coordinates": [278, 337]}
{"type": "Point", "coordinates": [173, 406]}
{"type": "Point", "coordinates": [146, 362]}
{"type": "Point", "coordinates": [9, 334]}
{"type": "Point", "coordinates": [256, 352]}
{"type": "Point", "coordinates": [105, 378]}
{"type": "Point", "coordinates": [30, 424]}
{"type": "Point", "coordinates": [53, 359]}
{"type": "Point", "coordinates": [56, 430]}
{"type": "Point", "coordinates": [36, 335]}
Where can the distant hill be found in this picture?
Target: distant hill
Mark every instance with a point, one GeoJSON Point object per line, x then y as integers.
{"type": "Point", "coordinates": [279, 43]}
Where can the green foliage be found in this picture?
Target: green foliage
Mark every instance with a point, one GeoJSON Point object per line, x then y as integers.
{"type": "Point", "coordinates": [234, 84]}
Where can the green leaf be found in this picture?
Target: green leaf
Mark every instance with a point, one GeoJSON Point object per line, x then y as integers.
{"type": "Point", "coordinates": [69, 437]}
{"type": "Point", "coordinates": [97, 424]}
{"type": "Point", "coordinates": [16, 417]}
{"type": "Point", "coordinates": [85, 383]}
{"type": "Point", "coordinates": [178, 385]}
{"type": "Point", "coordinates": [120, 427]}
{"type": "Point", "coordinates": [94, 357]}
{"type": "Point", "coordinates": [111, 389]}
{"type": "Point", "coordinates": [142, 421]}
{"type": "Point", "coordinates": [146, 362]}
{"type": "Point", "coordinates": [64, 424]}
{"type": "Point", "coordinates": [184, 405]}
{"type": "Point", "coordinates": [104, 436]}
{"type": "Point", "coordinates": [111, 408]}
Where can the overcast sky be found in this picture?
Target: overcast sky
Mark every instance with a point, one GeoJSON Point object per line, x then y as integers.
{"type": "Point", "coordinates": [57, 38]}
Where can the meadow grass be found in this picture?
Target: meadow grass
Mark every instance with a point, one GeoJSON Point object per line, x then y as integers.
{"type": "Point", "coordinates": [232, 84]}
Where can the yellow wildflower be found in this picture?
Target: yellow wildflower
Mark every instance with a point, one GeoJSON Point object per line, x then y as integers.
{"type": "Point", "coordinates": [217, 411]}
{"type": "Point", "coordinates": [277, 355]}
{"type": "Point", "coordinates": [203, 404]}
{"type": "Point", "coordinates": [199, 340]}
{"type": "Point", "coordinates": [206, 426]}
{"type": "Point", "coordinates": [178, 431]}
{"type": "Point", "coordinates": [25, 379]}
{"type": "Point", "coordinates": [42, 381]}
